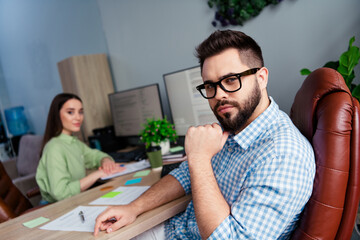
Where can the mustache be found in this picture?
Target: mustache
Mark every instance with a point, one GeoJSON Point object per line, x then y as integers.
{"type": "Point", "coordinates": [223, 102]}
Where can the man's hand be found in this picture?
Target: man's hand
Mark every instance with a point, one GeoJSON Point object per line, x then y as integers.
{"type": "Point", "coordinates": [203, 142]}
{"type": "Point", "coordinates": [114, 218]}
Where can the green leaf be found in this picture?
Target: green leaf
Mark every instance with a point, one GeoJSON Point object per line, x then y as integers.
{"type": "Point", "coordinates": [343, 70]}
{"type": "Point", "coordinates": [351, 41]}
{"type": "Point", "coordinates": [332, 64]}
{"type": "Point", "coordinates": [354, 56]}
{"type": "Point", "coordinates": [348, 79]}
{"type": "Point", "coordinates": [356, 92]}
{"type": "Point", "coordinates": [305, 71]}
{"type": "Point", "coordinates": [344, 60]}
{"type": "Point", "coordinates": [349, 59]}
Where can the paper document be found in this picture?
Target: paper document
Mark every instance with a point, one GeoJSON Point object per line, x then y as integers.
{"type": "Point", "coordinates": [129, 168]}
{"type": "Point", "coordinates": [120, 196]}
{"type": "Point", "coordinates": [72, 221]}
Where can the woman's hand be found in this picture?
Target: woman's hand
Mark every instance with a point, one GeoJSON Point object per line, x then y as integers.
{"type": "Point", "coordinates": [110, 167]}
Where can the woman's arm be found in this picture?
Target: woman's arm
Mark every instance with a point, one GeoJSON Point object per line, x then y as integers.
{"type": "Point", "coordinates": [90, 179]}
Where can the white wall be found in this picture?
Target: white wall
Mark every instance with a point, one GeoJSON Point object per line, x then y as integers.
{"type": "Point", "coordinates": [149, 38]}
{"type": "Point", "coordinates": [34, 36]}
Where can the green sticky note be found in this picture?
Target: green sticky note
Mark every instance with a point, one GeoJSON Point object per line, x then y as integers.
{"type": "Point", "coordinates": [35, 222]}
{"type": "Point", "coordinates": [111, 194]}
{"type": "Point", "coordinates": [142, 173]}
{"type": "Point", "coordinates": [176, 149]}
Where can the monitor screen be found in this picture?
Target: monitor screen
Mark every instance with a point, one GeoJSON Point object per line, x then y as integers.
{"type": "Point", "coordinates": [188, 107]}
{"type": "Point", "coordinates": [131, 108]}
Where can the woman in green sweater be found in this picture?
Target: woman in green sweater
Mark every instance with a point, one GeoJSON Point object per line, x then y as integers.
{"type": "Point", "coordinates": [61, 171]}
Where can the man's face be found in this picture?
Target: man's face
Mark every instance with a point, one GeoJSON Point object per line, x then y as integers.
{"type": "Point", "coordinates": [233, 110]}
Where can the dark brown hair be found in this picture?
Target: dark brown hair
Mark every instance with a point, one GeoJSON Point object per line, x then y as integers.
{"type": "Point", "coordinates": [53, 124]}
{"type": "Point", "coordinates": [249, 51]}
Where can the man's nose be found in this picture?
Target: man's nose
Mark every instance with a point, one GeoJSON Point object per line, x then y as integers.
{"type": "Point", "coordinates": [220, 93]}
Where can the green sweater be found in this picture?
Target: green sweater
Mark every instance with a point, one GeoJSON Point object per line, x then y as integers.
{"type": "Point", "coordinates": [63, 163]}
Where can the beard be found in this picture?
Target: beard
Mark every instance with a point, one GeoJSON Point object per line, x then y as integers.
{"type": "Point", "coordinates": [237, 122]}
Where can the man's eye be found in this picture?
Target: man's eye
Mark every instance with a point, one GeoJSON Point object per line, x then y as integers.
{"type": "Point", "coordinates": [208, 86]}
{"type": "Point", "coordinates": [229, 80]}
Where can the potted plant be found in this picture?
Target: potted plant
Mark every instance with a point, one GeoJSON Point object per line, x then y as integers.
{"type": "Point", "coordinates": [158, 133]}
{"type": "Point", "coordinates": [345, 66]}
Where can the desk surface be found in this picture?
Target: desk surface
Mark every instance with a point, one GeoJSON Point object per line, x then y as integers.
{"type": "Point", "coordinates": [13, 229]}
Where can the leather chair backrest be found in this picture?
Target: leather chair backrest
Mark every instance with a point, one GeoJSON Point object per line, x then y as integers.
{"type": "Point", "coordinates": [328, 116]}
{"type": "Point", "coordinates": [12, 202]}
{"type": "Point", "coordinates": [29, 154]}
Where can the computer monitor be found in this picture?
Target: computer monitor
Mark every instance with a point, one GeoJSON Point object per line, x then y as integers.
{"type": "Point", "coordinates": [188, 107]}
{"type": "Point", "coordinates": [131, 108]}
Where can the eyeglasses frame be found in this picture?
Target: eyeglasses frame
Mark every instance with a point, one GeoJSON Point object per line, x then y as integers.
{"type": "Point", "coordinates": [237, 75]}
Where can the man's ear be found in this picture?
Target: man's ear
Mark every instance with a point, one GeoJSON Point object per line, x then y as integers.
{"type": "Point", "coordinates": [262, 77]}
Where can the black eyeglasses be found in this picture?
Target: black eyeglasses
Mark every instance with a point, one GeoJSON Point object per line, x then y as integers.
{"type": "Point", "coordinates": [229, 83]}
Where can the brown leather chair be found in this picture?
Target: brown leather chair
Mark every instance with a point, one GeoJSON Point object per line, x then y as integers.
{"type": "Point", "coordinates": [328, 116]}
{"type": "Point", "coordinates": [12, 202]}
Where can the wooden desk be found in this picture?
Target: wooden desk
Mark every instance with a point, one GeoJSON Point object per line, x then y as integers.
{"type": "Point", "coordinates": [13, 229]}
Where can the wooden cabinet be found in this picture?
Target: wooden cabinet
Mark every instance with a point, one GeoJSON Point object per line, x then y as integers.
{"type": "Point", "coordinates": [89, 77]}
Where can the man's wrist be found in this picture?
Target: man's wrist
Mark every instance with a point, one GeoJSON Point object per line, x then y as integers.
{"type": "Point", "coordinates": [198, 159]}
{"type": "Point", "coordinates": [136, 207]}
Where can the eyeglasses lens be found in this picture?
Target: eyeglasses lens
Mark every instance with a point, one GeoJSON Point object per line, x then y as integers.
{"type": "Point", "coordinates": [229, 84]}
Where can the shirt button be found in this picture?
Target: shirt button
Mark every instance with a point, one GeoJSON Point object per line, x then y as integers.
{"type": "Point", "coordinates": [230, 149]}
{"type": "Point", "coordinates": [183, 231]}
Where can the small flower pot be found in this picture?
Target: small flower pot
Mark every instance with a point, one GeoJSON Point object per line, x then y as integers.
{"type": "Point", "coordinates": [154, 156]}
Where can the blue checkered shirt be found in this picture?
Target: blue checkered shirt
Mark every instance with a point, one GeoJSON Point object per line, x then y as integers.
{"type": "Point", "coordinates": [266, 175]}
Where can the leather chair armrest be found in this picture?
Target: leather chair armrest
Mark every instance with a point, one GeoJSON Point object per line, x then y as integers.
{"type": "Point", "coordinates": [33, 192]}
{"type": "Point", "coordinates": [26, 184]}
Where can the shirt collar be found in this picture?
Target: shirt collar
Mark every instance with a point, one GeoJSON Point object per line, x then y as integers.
{"type": "Point", "coordinates": [263, 122]}
{"type": "Point", "coordinates": [67, 138]}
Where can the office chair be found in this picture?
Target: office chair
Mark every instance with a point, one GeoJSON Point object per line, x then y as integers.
{"type": "Point", "coordinates": [12, 202]}
{"type": "Point", "coordinates": [328, 116]}
{"type": "Point", "coordinates": [22, 168]}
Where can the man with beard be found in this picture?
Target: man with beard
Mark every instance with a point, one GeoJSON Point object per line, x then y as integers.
{"type": "Point", "coordinates": [250, 176]}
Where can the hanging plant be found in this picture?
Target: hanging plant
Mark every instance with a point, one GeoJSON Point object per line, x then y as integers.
{"type": "Point", "coordinates": [236, 12]}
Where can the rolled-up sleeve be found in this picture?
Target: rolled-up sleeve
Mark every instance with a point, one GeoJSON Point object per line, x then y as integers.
{"type": "Point", "coordinates": [182, 175]}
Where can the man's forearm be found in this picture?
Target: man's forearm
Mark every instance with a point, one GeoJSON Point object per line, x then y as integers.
{"type": "Point", "coordinates": [210, 206]}
{"type": "Point", "coordinates": [164, 191]}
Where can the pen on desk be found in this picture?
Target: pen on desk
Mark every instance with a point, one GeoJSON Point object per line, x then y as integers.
{"type": "Point", "coordinates": [82, 217]}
